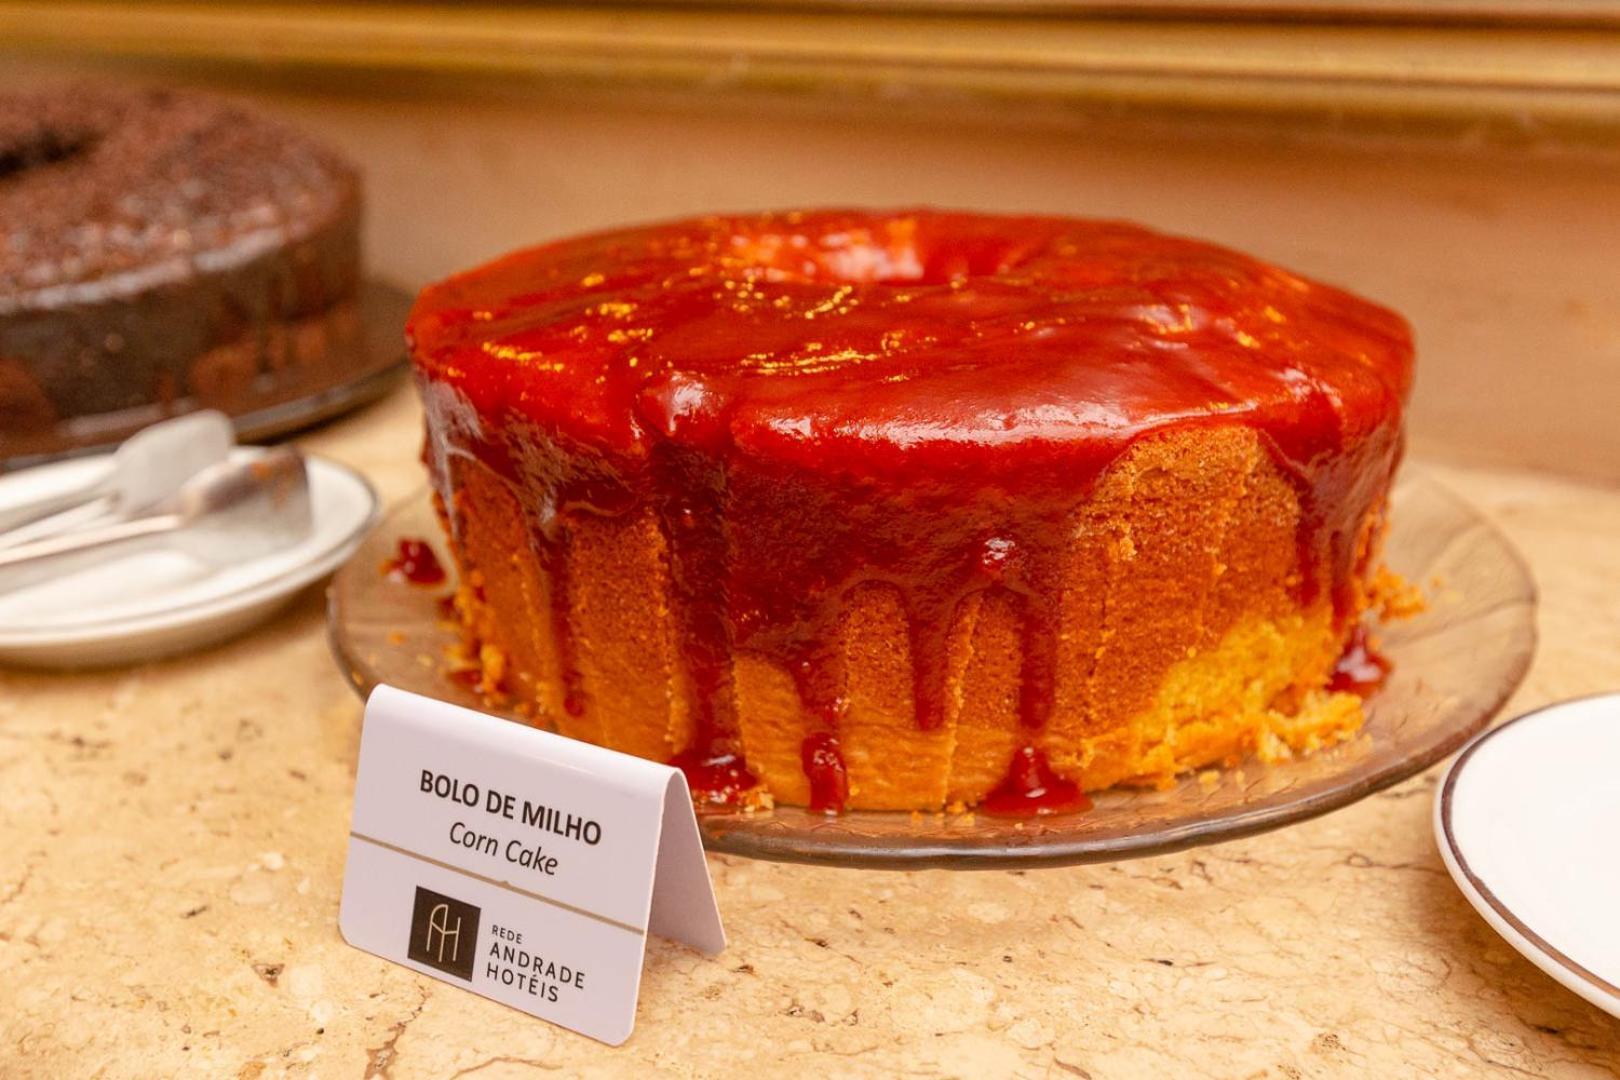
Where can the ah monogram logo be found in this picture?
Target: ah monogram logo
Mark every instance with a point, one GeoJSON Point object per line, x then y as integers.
{"type": "Point", "coordinates": [444, 933]}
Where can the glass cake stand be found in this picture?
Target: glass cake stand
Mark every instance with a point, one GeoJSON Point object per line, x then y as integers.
{"type": "Point", "coordinates": [1455, 664]}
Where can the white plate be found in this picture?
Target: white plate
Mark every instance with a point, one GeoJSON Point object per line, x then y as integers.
{"type": "Point", "coordinates": [156, 602]}
{"type": "Point", "coordinates": [1526, 819]}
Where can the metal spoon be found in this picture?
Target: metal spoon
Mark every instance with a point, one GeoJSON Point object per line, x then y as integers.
{"type": "Point", "coordinates": [231, 511]}
{"type": "Point", "coordinates": [149, 467]}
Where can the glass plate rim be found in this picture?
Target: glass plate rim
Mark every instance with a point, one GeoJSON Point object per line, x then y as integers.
{"type": "Point", "coordinates": [741, 833]}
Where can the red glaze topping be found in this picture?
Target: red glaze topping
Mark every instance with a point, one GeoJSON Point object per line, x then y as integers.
{"type": "Point", "coordinates": [1031, 788]}
{"type": "Point", "coordinates": [1362, 669]}
{"type": "Point", "coordinates": [824, 768]}
{"type": "Point", "coordinates": [810, 401]}
{"type": "Point", "coordinates": [415, 562]}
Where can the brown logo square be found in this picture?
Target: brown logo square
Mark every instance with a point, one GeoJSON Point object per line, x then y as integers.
{"type": "Point", "coordinates": [444, 933]}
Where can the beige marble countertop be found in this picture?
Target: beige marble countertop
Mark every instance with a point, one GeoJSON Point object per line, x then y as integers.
{"type": "Point", "coordinates": [172, 840]}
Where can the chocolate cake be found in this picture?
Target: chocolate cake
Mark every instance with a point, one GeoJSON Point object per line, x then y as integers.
{"type": "Point", "coordinates": [163, 251]}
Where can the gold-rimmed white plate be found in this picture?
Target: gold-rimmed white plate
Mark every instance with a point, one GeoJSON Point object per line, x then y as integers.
{"type": "Point", "coordinates": [1528, 823]}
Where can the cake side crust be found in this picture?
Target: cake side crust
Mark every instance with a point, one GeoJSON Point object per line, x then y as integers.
{"type": "Point", "coordinates": [1186, 642]}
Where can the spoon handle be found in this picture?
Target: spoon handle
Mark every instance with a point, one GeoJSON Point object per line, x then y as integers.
{"type": "Point", "coordinates": [98, 511]}
{"type": "Point", "coordinates": [19, 517]}
{"type": "Point", "coordinates": [70, 543]}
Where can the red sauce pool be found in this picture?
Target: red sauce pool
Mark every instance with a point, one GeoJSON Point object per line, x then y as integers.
{"type": "Point", "coordinates": [415, 562]}
{"type": "Point", "coordinates": [1032, 788]}
{"type": "Point", "coordinates": [717, 781]}
{"type": "Point", "coordinates": [1362, 669]}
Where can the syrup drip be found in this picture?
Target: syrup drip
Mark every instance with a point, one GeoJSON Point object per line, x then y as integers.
{"type": "Point", "coordinates": [818, 679]}
{"type": "Point", "coordinates": [931, 619]}
{"type": "Point", "coordinates": [553, 552]}
{"type": "Point", "coordinates": [1341, 464]}
{"type": "Point", "coordinates": [1031, 788]}
{"type": "Point", "coordinates": [814, 402]}
{"type": "Point", "coordinates": [1038, 676]}
{"type": "Point", "coordinates": [1362, 669]}
{"type": "Point", "coordinates": [823, 763]}
{"type": "Point", "coordinates": [1026, 571]}
{"type": "Point", "coordinates": [693, 518]}
{"type": "Point", "coordinates": [414, 562]}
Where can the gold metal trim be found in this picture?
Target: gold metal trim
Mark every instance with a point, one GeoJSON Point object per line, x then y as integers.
{"type": "Point", "coordinates": [1521, 76]}
{"type": "Point", "coordinates": [1434, 12]}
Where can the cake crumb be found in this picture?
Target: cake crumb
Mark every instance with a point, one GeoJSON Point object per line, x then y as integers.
{"type": "Point", "coordinates": [1394, 597]}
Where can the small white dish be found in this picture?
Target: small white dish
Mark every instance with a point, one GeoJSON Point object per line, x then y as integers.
{"type": "Point", "coordinates": [1526, 820]}
{"type": "Point", "coordinates": [156, 602]}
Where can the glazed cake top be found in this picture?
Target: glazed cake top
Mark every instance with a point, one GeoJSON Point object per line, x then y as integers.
{"type": "Point", "coordinates": [907, 341]}
{"type": "Point", "coordinates": [106, 191]}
